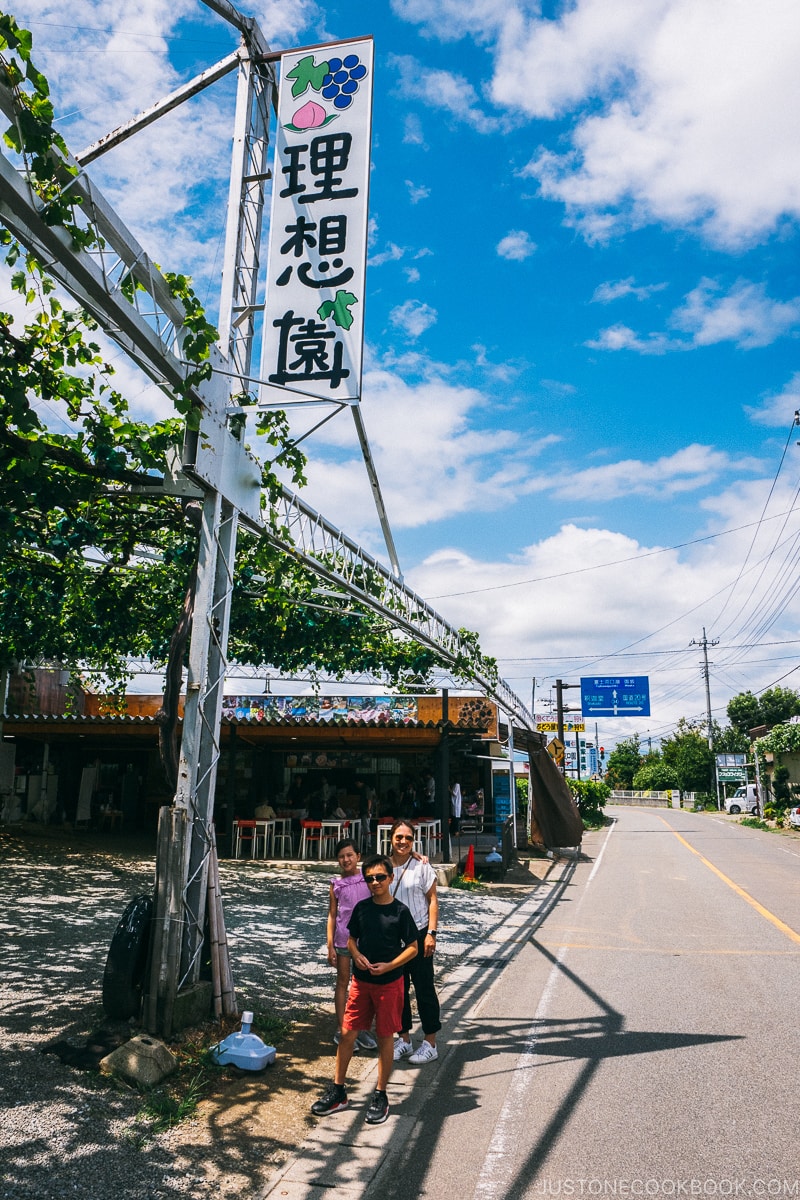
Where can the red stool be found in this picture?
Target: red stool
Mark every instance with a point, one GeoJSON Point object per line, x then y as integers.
{"type": "Point", "coordinates": [245, 831]}
{"type": "Point", "coordinates": [311, 833]}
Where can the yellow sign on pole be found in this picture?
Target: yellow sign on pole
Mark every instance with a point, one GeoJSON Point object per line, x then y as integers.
{"type": "Point", "coordinates": [552, 727]}
{"type": "Point", "coordinates": [555, 748]}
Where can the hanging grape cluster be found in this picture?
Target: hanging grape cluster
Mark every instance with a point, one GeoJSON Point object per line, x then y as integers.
{"type": "Point", "coordinates": [342, 80]}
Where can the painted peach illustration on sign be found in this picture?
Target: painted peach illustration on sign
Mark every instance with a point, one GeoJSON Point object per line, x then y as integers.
{"type": "Point", "coordinates": [335, 80]}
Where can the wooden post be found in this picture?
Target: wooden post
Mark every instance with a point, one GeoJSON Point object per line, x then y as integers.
{"type": "Point", "coordinates": [220, 958]}
{"type": "Point", "coordinates": [170, 919]}
{"type": "Point", "coordinates": [150, 1007]}
{"type": "Point", "coordinates": [213, 929]}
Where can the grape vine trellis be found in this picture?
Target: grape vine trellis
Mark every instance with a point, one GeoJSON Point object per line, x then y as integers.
{"type": "Point", "coordinates": [55, 212]}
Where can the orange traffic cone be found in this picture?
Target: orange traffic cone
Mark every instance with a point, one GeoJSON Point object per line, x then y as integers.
{"type": "Point", "coordinates": [469, 869]}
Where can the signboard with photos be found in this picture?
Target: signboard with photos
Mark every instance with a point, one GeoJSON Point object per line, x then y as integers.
{"type": "Point", "coordinates": [321, 708]}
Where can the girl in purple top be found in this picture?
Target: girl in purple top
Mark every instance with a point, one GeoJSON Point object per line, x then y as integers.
{"type": "Point", "coordinates": [346, 891]}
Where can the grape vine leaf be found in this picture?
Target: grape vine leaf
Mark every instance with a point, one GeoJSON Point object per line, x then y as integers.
{"type": "Point", "coordinates": [306, 73]}
{"type": "Point", "coordinates": [339, 309]}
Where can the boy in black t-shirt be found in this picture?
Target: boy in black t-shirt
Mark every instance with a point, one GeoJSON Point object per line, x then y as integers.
{"type": "Point", "coordinates": [383, 938]}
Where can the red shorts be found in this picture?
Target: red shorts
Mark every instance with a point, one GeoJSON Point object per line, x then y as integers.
{"type": "Point", "coordinates": [383, 1001]}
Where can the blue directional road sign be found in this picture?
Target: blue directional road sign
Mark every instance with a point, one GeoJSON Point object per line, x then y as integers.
{"type": "Point", "coordinates": [615, 696]}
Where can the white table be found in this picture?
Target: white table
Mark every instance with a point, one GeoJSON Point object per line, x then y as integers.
{"type": "Point", "coordinates": [384, 837]}
{"type": "Point", "coordinates": [265, 830]}
{"type": "Point", "coordinates": [333, 830]}
{"type": "Point", "coordinates": [429, 834]}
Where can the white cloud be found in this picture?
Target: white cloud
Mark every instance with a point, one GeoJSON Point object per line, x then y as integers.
{"type": "Point", "coordinates": [778, 410]}
{"type": "Point", "coordinates": [392, 253]}
{"type": "Point", "coordinates": [412, 274]}
{"type": "Point", "coordinates": [106, 62]}
{"type": "Point", "coordinates": [282, 21]}
{"type": "Point", "coordinates": [441, 89]}
{"type": "Point", "coordinates": [645, 597]}
{"type": "Point", "coordinates": [417, 192]}
{"type": "Point", "coordinates": [687, 470]}
{"type": "Point", "coordinates": [516, 246]}
{"type": "Point", "coordinates": [558, 387]}
{"type": "Point", "coordinates": [745, 315]}
{"type": "Point", "coordinates": [622, 337]}
{"type": "Point", "coordinates": [413, 135]}
{"type": "Point", "coordinates": [451, 19]}
{"type": "Point", "coordinates": [503, 371]}
{"type": "Point", "coordinates": [413, 317]}
{"type": "Point", "coordinates": [434, 456]}
{"type": "Point", "coordinates": [605, 293]}
{"type": "Point", "coordinates": [689, 106]}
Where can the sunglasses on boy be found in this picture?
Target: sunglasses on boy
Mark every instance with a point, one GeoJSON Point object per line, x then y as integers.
{"type": "Point", "coordinates": [379, 878]}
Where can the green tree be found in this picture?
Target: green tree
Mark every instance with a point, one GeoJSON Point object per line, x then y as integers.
{"type": "Point", "coordinates": [686, 752]}
{"type": "Point", "coordinates": [781, 789]}
{"type": "Point", "coordinates": [590, 797]}
{"type": "Point", "coordinates": [729, 740]}
{"type": "Point", "coordinates": [778, 704]}
{"type": "Point", "coordinates": [623, 762]}
{"type": "Point", "coordinates": [654, 775]}
{"type": "Point", "coordinates": [774, 706]}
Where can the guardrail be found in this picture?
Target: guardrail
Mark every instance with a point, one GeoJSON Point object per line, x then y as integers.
{"type": "Point", "coordinates": [642, 799]}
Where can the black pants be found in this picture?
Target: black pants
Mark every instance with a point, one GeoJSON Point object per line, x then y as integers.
{"type": "Point", "coordinates": [420, 972]}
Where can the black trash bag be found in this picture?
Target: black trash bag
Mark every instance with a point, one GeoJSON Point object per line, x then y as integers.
{"type": "Point", "coordinates": [123, 979]}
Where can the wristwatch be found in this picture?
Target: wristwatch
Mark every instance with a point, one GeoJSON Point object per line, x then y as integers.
{"type": "Point", "coordinates": [432, 933]}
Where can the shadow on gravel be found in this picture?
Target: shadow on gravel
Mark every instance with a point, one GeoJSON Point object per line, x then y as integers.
{"type": "Point", "coordinates": [66, 1132]}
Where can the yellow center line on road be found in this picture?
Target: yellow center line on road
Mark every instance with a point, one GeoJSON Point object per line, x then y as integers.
{"type": "Point", "coordinates": [764, 912]}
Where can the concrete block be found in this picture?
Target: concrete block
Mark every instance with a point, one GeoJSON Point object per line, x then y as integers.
{"type": "Point", "coordinates": [144, 1060]}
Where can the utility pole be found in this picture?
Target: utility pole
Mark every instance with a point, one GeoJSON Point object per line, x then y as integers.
{"type": "Point", "coordinates": [705, 643]}
{"type": "Point", "coordinates": [562, 687]}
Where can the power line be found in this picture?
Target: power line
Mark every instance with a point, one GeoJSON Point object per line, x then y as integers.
{"type": "Point", "coordinates": [709, 537]}
{"type": "Point", "coordinates": [758, 524]}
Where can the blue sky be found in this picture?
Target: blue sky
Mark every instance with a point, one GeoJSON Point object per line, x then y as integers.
{"type": "Point", "coordinates": [582, 312]}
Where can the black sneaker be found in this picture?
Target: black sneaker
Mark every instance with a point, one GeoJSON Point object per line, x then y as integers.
{"type": "Point", "coordinates": [331, 1101]}
{"type": "Point", "coordinates": [378, 1109]}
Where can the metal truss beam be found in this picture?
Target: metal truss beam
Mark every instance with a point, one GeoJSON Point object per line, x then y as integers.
{"type": "Point", "coordinates": [304, 534]}
{"type": "Point", "coordinates": [148, 329]}
{"type": "Point", "coordinates": [167, 104]}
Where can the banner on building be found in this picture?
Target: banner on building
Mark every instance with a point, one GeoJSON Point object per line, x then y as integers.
{"type": "Point", "coordinates": [314, 326]}
{"type": "Point", "coordinates": [321, 708]}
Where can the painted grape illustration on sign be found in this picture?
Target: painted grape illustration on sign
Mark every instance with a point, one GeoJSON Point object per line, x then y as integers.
{"type": "Point", "coordinates": [336, 80]}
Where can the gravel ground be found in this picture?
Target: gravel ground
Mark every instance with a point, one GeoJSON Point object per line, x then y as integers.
{"type": "Point", "coordinates": [67, 1133]}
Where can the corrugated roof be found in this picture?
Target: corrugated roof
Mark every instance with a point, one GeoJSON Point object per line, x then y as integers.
{"type": "Point", "coordinates": [77, 719]}
{"type": "Point", "coordinates": [332, 722]}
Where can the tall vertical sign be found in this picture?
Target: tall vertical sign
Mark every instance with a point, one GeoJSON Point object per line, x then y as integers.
{"type": "Point", "coordinates": [314, 327]}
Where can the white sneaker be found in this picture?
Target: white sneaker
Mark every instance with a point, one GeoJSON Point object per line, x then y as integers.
{"type": "Point", "coordinates": [426, 1053]}
{"type": "Point", "coordinates": [402, 1050]}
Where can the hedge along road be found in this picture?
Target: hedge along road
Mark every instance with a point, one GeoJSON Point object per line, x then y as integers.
{"type": "Point", "coordinates": [61, 897]}
{"type": "Point", "coordinates": [644, 1041]}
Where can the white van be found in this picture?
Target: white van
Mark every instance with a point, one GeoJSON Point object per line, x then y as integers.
{"type": "Point", "coordinates": [745, 797]}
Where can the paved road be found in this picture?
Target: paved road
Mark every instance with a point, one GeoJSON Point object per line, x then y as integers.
{"type": "Point", "coordinates": [643, 1041]}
